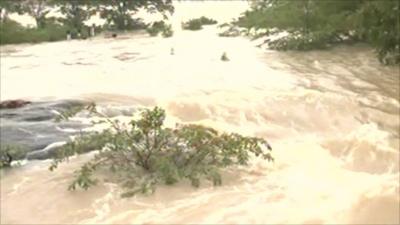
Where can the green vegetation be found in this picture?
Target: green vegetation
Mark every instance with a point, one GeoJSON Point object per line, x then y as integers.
{"type": "Point", "coordinates": [314, 24]}
{"type": "Point", "coordinates": [118, 12]}
{"type": "Point", "coordinates": [118, 15]}
{"type": "Point", "coordinates": [167, 32]}
{"type": "Point", "coordinates": [13, 33]}
{"type": "Point", "coordinates": [197, 24]}
{"type": "Point", "coordinates": [160, 27]}
{"type": "Point", "coordinates": [144, 153]}
{"type": "Point", "coordinates": [193, 24]}
{"type": "Point", "coordinates": [207, 21]}
{"type": "Point", "coordinates": [315, 40]}
{"type": "Point", "coordinates": [10, 153]}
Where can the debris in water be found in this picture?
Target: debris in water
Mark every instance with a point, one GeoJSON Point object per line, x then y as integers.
{"type": "Point", "coordinates": [224, 57]}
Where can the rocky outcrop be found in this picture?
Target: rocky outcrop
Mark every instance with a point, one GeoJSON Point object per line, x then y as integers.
{"type": "Point", "coordinates": [33, 127]}
{"type": "Point", "coordinates": [12, 104]}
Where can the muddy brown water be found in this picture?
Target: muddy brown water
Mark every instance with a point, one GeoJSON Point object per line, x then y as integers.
{"type": "Point", "coordinates": [332, 118]}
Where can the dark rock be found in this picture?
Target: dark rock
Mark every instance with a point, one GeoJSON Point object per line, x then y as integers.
{"type": "Point", "coordinates": [36, 136]}
{"type": "Point", "coordinates": [33, 127]}
{"type": "Point", "coordinates": [12, 104]}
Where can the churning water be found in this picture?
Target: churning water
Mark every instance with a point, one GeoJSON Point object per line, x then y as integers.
{"type": "Point", "coordinates": [332, 118]}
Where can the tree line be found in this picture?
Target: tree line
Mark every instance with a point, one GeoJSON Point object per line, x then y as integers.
{"type": "Point", "coordinates": [118, 12]}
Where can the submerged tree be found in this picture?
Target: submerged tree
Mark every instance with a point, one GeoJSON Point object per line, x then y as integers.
{"type": "Point", "coordinates": [316, 24]}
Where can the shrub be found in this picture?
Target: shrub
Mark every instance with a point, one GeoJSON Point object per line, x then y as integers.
{"type": "Point", "coordinates": [207, 21]}
{"type": "Point", "coordinates": [160, 27]}
{"type": "Point", "coordinates": [196, 24]}
{"type": "Point", "coordinates": [167, 32]}
{"type": "Point", "coordinates": [10, 153]}
{"type": "Point", "coordinates": [315, 40]}
{"type": "Point", "coordinates": [144, 153]}
{"type": "Point", "coordinates": [13, 33]}
{"type": "Point", "coordinates": [193, 24]}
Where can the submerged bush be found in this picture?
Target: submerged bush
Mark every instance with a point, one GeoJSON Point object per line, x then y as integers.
{"type": "Point", "coordinates": [193, 24]}
{"type": "Point", "coordinates": [10, 153]}
{"type": "Point", "coordinates": [197, 24]}
{"type": "Point", "coordinates": [316, 40]}
{"type": "Point", "coordinates": [207, 21]}
{"type": "Point", "coordinates": [167, 32]}
{"type": "Point", "coordinates": [144, 153]}
{"type": "Point", "coordinates": [160, 27]}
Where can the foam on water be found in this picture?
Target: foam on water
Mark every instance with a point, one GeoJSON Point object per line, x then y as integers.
{"type": "Point", "coordinates": [332, 118]}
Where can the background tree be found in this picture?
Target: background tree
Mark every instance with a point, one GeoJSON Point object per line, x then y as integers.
{"type": "Point", "coordinates": [120, 12]}
{"type": "Point", "coordinates": [6, 7]}
{"type": "Point", "coordinates": [38, 9]}
{"type": "Point", "coordinates": [76, 12]}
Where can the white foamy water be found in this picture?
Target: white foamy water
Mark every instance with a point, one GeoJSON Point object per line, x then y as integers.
{"type": "Point", "coordinates": [332, 118]}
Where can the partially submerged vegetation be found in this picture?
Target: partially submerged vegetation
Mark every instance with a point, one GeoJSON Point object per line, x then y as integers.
{"type": "Point", "coordinates": [160, 27]}
{"type": "Point", "coordinates": [11, 153]}
{"type": "Point", "coordinates": [197, 24]}
{"type": "Point", "coordinates": [144, 153]}
{"type": "Point", "coordinates": [314, 24]}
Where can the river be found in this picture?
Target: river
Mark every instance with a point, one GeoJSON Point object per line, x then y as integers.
{"type": "Point", "coordinates": [332, 118]}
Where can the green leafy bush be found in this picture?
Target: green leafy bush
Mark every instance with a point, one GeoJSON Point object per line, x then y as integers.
{"type": "Point", "coordinates": [167, 32]}
{"type": "Point", "coordinates": [197, 24]}
{"type": "Point", "coordinates": [224, 57]}
{"type": "Point", "coordinates": [10, 153]}
{"type": "Point", "coordinates": [13, 33]}
{"type": "Point", "coordinates": [160, 27]}
{"type": "Point", "coordinates": [207, 21]}
{"type": "Point", "coordinates": [193, 24]}
{"type": "Point", "coordinates": [311, 41]}
{"type": "Point", "coordinates": [144, 153]}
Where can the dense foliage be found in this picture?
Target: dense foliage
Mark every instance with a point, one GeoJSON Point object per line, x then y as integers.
{"type": "Point", "coordinates": [13, 33]}
{"type": "Point", "coordinates": [314, 24]}
{"type": "Point", "coordinates": [197, 24]}
{"type": "Point", "coordinates": [160, 27]}
{"type": "Point", "coordinates": [118, 14]}
{"type": "Point", "coordinates": [144, 153]}
{"type": "Point", "coordinates": [10, 153]}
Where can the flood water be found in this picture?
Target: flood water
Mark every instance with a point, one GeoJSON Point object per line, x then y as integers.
{"type": "Point", "coordinates": [332, 118]}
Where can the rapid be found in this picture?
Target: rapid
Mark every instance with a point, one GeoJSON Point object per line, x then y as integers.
{"type": "Point", "coordinates": [332, 118]}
